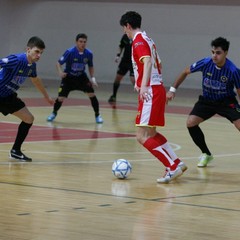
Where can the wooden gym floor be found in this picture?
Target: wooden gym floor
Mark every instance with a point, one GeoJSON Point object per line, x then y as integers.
{"type": "Point", "coordinates": [69, 192]}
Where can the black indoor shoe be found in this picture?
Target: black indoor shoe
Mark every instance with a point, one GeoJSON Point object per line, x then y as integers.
{"type": "Point", "coordinates": [17, 154]}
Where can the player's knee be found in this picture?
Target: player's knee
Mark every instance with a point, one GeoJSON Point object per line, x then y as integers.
{"type": "Point", "coordinates": [237, 124]}
{"type": "Point", "coordinates": [60, 99]}
{"type": "Point", "coordinates": [29, 119]}
{"type": "Point", "coordinates": [140, 138]}
{"type": "Point", "coordinates": [189, 124]}
{"type": "Point", "coordinates": [90, 95]}
{"type": "Point", "coordinates": [192, 121]}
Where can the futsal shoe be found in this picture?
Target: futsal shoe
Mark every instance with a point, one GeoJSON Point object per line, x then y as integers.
{"type": "Point", "coordinates": [183, 166]}
{"type": "Point", "coordinates": [51, 117]}
{"type": "Point", "coordinates": [204, 159]}
{"type": "Point", "coordinates": [112, 99]}
{"type": "Point", "coordinates": [99, 119]}
{"type": "Point", "coordinates": [170, 175]}
{"type": "Point", "coordinates": [17, 154]}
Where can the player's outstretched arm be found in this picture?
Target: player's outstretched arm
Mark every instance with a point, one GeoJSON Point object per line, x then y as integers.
{"type": "Point", "coordinates": [37, 82]}
{"type": "Point", "coordinates": [172, 91]}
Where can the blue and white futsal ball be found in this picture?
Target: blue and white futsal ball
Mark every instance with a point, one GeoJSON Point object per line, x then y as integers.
{"type": "Point", "coordinates": [121, 168]}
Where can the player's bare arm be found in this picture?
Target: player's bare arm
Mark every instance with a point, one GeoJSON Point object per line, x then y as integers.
{"type": "Point", "coordinates": [61, 73]}
{"type": "Point", "coordinates": [172, 91]}
{"type": "Point", "coordinates": [93, 79]}
{"type": "Point", "coordinates": [144, 94]}
{"type": "Point", "coordinates": [39, 85]}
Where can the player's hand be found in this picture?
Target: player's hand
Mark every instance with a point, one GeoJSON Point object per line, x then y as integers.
{"type": "Point", "coordinates": [169, 96]}
{"type": "Point", "coordinates": [145, 94]}
{"type": "Point", "coordinates": [94, 82]}
{"type": "Point", "coordinates": [50, 100]}
{"type": "Point", "coordinates": [136, 88]}
{"type": "Point", "coordinates": [63, 74]}
{"type": "Point", "coordinates": [117, 59]}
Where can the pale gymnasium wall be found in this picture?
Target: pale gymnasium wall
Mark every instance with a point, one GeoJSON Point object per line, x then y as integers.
{"type": "Point", "coordinates": [182, 32]}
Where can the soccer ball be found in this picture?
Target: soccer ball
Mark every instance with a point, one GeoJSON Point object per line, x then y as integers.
{"type": "Point", "coordinates": [121, 168]}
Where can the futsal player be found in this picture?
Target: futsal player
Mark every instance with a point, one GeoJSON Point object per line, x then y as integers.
{"type": "Point", "coordinates": [152, 97]}
{"type": "Point", "coordinates": [220, 78]}
{"type": "Point", "coordinates": [15, 68]}
{"type": "Point", "coordinates": [74, 76]}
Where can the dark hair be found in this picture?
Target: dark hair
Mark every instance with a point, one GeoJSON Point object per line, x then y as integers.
{"type": "Point", "coordinates": [132, 18]}
{"type": "Point", "coordinates": [36, 42]}
{"type": "Point", "coordinates": [221, 42]}
{"type": "Point", "coordinates": [81, 35]}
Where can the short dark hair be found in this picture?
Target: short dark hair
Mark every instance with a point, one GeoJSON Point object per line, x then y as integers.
{"type": "Point", "coordinates": [81, 35]}
{"type": "Point", "coordinates": [36, 42]}
{"type": "Point", "coordinates": [132, 18]}
{"type": "Point", "coordinates": [221, 42]}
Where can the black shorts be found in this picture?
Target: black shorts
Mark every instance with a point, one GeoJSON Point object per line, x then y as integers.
{"type": "Point", "coordinates": [11, 104]}
{"type": "Point", "coordinates": [125, 66]}
{"type": "Point", "coordinates": [228, 108]}
{"type": "Point", "coordinates": [71, 83]}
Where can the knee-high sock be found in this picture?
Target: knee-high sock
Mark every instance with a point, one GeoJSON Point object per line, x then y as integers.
{"type": "Point", "coordinates": [116, 85]}
{"type": "Point", "coordinates": [160, 153]}
{"type": "Point", "coordinates": [95, 105]}
{"type": "Point", "coordinates": [22, 133]}
{"type": "Point", "coordinates": [165, 145]}
{"type": "Point", "coordinates": [199, 139]}
{"type": "Point", "coordinates": [57, 106]}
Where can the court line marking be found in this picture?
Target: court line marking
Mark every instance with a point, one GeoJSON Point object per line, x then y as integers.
{"type": "Point", "coordinates": [162, 200]}
{"type": "Point", "coordinates": [69, 161]}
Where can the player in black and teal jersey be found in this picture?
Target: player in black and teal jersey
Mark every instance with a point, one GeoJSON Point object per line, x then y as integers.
{"type": "Point", "coordinates": [220, 79]}
{"type": "Point", "coordinates": [14, 69]}
{"type": "Point", "coordinates": [74, 76]}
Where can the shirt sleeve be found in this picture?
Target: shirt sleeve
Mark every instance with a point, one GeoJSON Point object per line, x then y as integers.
{"type": "Point", "coordinates": [141, 48]}
{"type": "Point", "coordinates": [198, 66]}
{"type": "Point", "coordinates": [237, 78]}
{"type": "Point", "coordinates": [90, 59]}
{"type": "Point", "coordinates": [64, 57]}
{"type": "Point", "coordinates": [9, 62]}
{"type": "Point", "coordinates": [34, 71]}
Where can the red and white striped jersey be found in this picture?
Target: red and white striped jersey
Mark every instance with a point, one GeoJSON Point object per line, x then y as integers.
{"type": "Point", "coordinates": [143, 46]}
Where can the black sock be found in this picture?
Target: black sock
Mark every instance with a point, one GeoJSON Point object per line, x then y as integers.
{"type": "Point", "coordinates": [116, 85]}
{"type": "Point", "coordinates": [22, 133]}
{"type": "Point", "coordinates": [57, 106]}
{"type": "Point", "coordinates": [199, 139]}
{"type": "Point", "coordinates": [95, 105]}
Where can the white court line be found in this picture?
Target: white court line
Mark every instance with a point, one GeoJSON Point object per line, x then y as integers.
{"type": "Point", "coordinates": [175, 147]}
{"type": "Point", "coordinates": [104, 161]}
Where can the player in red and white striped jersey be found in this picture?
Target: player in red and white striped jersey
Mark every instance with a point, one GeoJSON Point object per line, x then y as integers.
{"type": "Point", "coordinates": [152, 97]}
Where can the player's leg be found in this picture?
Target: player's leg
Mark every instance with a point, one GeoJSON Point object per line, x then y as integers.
{"type": "Point", "coordinates": [131, 74]}
{"type": "Point", "coordinates": [121, 72]}
{"type": "Point", "coordinates": [163, 141]}
{"type": "Point", "coordinates": [237, 124]}
{"type": "Point", "coordinates": [95, 106]}
{"type": "Point", "coordinates": [116, 85]}
{"type": "Point", "coordinates": [146, 121]}
{"type": "Point", "coordinates": [199, 114]}
{"type": "Point", "coordinates": [86, 86]}
{"type": "Point", "coordinates": [146, 136]}
{"type": "Point", "coordinates": [63, 93]}
{"type": "Point", "coordinates": [132, 79]}
{"type": "Point", "coordinates": [231, 111]}
{"type": "Point", "coordinates": [15, 106]}
{"type": "Point", "coordinates": [23, 129]}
